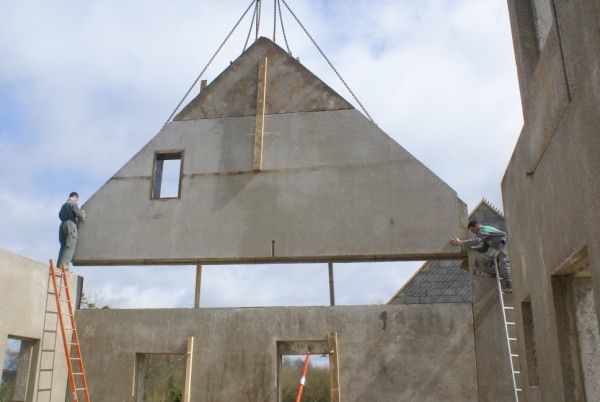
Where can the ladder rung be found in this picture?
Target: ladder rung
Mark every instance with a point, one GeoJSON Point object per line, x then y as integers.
{"type": "Point", "coordinates": [46, 369]}
{"type": "Point", "coordinates": [51, 312]}
{"type": "Point", "coordinates": [49, 330]}
{"type": "Point", "coordinates": [510, 323]}
{"type": "Point", "coordinates": [48, 350]}
{"type": "Point", "coordinates": [518, 389]}
{"type": "Point", "coordinates": [80, 389]}
{"type": "Point", "coordinates": [509, 308]}
{"type": "Point", "coordinates": [513, 355]}
{"type": "Point", "coordinates": [77, 373]}
{"type": "Point", "coordinates": [44, 389]}
{"type": "Point", "coordinates": [516, 372]}
{"type": "Point", "coordinates": [75, 358]}
{"type": "Point", "coordinates": [512, 339]}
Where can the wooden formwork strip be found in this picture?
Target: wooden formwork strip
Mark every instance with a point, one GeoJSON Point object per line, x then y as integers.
{"type": "Point", "coordinates": [334, 376]}
{"type": "Point", "coordinates": [187, 388]}
{"type": "Point", "coordinates": [259, 128]}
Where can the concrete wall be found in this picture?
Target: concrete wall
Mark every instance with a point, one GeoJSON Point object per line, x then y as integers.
{"type": "Point", "coordinates": [551, 190]}
{"type": "Point", "coordinates": [494, 378]}
{"type": "Point", "coordinates": [333, 187]}
{"type": "Point", "coordinates": [386, 353]}
{"type": "Point", "coordinates": [23, 293]}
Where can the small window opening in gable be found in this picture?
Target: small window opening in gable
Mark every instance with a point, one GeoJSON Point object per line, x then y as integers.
{"type": "Point", "coordinates": [166, 182]}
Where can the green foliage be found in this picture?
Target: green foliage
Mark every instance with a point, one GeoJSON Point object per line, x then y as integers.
{"type": "Point", "coordinates": [163, 378]}
{"type": "Point", "coordinates": [7, 388]}
{"type": "Point", "coordinates": [93, 302]}
{"type": "Point", "coordinates": [9, 375]}
{"type": "Point", "coordinates": [316, 388]}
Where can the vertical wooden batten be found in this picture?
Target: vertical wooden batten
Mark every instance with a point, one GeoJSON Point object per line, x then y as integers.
{"type": "Point", "coordinates": [187, 386]}
{"type": "Point", "coordinates": [334, 379]}
{"type": "Point", "coordinates": [259, 128]}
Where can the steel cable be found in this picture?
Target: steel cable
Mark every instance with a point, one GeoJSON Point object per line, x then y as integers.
{"type": "Point", "coordinates": [208, 64]}
{"type": "Point", "coordinates": [328, 61]}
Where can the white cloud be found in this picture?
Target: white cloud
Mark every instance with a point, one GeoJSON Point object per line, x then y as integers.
{"type": "Point", "coordinates": [89, 83]}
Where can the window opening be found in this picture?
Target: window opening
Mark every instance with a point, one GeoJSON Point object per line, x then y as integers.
{"type": "Point", "coordinates": [579, 333]}
{"type": "Point", "coordinates": [160, 377]}
{"type": "Point", "coordinates": [167, 175]}
{"type": "Point", "coordinates": [18, 370]}
{"type": "Point", "coordinates": [291, 355]}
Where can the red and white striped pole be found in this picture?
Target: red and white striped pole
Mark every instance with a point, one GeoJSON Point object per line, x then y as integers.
{"type": "Point", "coordinates": [303, 378]}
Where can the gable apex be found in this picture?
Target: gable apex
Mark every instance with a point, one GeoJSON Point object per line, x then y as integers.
{"type": "Point", "coordinates": [291, 87]}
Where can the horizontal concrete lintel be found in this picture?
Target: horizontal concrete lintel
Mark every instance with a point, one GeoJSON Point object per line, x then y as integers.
{"type": "Point", "coordinates": [276, 260]}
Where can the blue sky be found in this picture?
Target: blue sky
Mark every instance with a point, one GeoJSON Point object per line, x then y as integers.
{"type": "Point", "coordinates": [84, 85]}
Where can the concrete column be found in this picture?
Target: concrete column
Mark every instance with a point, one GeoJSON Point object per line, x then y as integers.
{"type": "Point", "coordinates": [198, 285]}
{"type": "Point", "coordinates": [331, 286]}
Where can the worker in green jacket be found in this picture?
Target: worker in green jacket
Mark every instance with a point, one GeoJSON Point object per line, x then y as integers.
{"type": "Point", "coordinates": [70, 215]}
{"type": "Point", "coordinates": [491, 241]}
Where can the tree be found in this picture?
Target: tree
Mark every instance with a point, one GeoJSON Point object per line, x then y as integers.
{"type": "Point", "coordinates": [9, 375]}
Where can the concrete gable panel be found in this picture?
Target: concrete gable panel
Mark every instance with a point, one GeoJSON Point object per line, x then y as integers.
{"type": "Point", "coordinates": [333, 187]}
{"type": "Point", "coordinates": [291, 87]}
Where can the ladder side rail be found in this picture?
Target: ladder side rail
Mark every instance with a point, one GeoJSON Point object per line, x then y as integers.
{"type": "Point", "coordinates": [62, 330]}
{"type": "Point", "coordinates": [75, 334]}
{"type": "Point", "coordinates": [39, 374]}
{"type": "Point", "coordinates": [508, 338]}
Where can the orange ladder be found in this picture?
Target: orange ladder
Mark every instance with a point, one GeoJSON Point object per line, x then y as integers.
{"type": "Point", "coordinates": [60, 281]}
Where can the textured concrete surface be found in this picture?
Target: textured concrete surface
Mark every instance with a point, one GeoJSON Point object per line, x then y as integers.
{"type": "Point", "coordinates": [551, 187]}
{"type": "Point", "coordinates": [333, 187]}
{"type": "Point", "coordinates": [233, 92]}
{"type": "Point", "coordinates": [588, 336]}
{"type": "Point", "coordinates": [23, 292]}
{"type": "Point", "coordinates": [493, 366]}
{"type": "Point", "coordinates": [390, 353]}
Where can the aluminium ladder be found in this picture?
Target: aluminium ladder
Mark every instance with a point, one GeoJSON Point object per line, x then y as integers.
{"type": "Point", "coordinates": [509, 339]}
{"type": "Point", "coordinates": [77, 380]}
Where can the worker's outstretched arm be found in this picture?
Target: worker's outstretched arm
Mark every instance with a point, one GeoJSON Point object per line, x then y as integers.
{"type": "Point", "coordinates": [455, 241]}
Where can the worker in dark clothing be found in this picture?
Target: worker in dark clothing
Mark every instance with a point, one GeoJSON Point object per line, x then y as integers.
{"type": "Point", "coordinates": [70, 215]}
{"type": "Point", "coordinates": [491, 241]}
